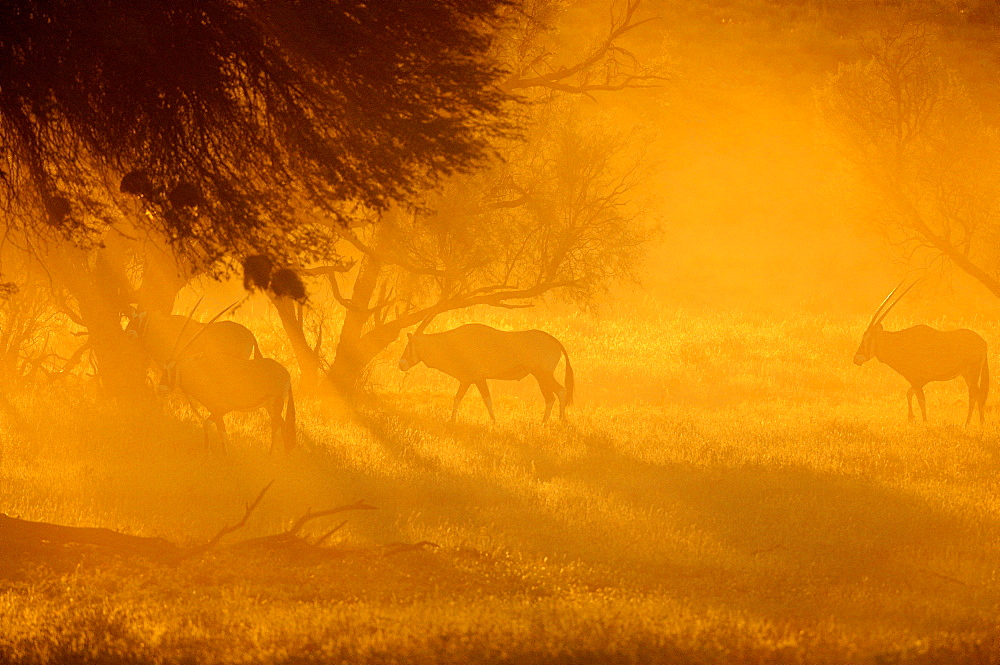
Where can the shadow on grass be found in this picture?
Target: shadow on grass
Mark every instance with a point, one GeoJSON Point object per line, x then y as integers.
{"type": "Point", "coordinates": [719, 530]}
{"type": "Point", "coordinates": [748, 527]}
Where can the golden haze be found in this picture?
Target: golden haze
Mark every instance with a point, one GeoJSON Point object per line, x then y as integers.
{"type": "Point", "coordinates": [729, 486]}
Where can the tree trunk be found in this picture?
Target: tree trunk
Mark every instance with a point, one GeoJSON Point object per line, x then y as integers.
{"type": "Point", "coordinates": [162, 279]}
{"type": "Point", "coordinates": [310, 377]}
{"type": "Point", "coordinates": [353, 355]}
{"type": "Point", "coordinates": [100, 295]}
{"type": "Point", "coordinates": [10, 350]}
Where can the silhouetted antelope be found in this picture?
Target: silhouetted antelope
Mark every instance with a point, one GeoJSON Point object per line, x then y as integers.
{"type": "Point", "coordinates": [474, 353]}
{"type": "Point", "coordinates": [223, 383]}
{"type": "Point", "coordinates": [922, 354]}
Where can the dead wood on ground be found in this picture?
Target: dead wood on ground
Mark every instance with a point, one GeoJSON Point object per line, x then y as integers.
{"type": "Point", "coordinates": [28, 542]}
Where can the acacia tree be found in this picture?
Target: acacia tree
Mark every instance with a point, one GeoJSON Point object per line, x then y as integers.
{"type": "Point", "coordinates": [228, 118]}
{"type": "Point", "coordinates": [561, 221]}
{"type": "Point", "coordinates": [552, 214]}
{"type": "Point", "coordinates": [918, 142]}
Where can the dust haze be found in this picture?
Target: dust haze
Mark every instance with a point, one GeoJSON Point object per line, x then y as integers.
{"type": "Point", "coordinates": [543, 332]}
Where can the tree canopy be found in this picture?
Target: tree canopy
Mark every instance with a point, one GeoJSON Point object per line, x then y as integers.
{"type": "Point", "coordinates": [555, 213]}
{"type": "Point", "coordinates": [923, 148]}
{"type": "Point", "coordinates": [229, 118]}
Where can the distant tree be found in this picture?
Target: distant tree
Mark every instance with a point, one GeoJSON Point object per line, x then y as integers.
{"type": "Point", "coordinates": [921, 146]}
{"type": "Point", "coordinates": [552, 215]}
{"type": "Point", "coordinates": [227, 120]}
{"type": "Point", "coordinates": [985, 12]}
{"type": "Point", "coordinates": [557, 219]}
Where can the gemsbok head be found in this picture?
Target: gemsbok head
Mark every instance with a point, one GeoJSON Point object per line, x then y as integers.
{"type": "Point", "coordinates": [922, 354]}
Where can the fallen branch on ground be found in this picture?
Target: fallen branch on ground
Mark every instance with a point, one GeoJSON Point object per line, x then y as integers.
{"type": "Point", "coordinates": [226, 530]}
{"type": "Point", "coordinates": [40, 542]}
{"type": "Point", "coordinates": [292, 535]}
{"type": "Point", "coordinates": [24, 536]}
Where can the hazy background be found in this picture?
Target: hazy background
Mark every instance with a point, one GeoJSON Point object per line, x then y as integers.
{"type": "Point", "coordinates": [758, 209]}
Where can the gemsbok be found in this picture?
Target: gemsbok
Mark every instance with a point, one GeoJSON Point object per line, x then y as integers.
{"type": "Point", "coordinates": [474, 353]}
{"type": "Point", "coordinates": [223, 383]}
{"type": "Point", "coordinates": [160, 334]}
{"type": "Point", "coordinates": [922, 354]}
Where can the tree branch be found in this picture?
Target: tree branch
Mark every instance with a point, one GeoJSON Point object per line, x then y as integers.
{"type": "Point", "coordinates": [556, 80]}
{"type": "Point", "coordinates": [291, 537]}
{"type": "Point", "coordinates": [392, 329]}
{"type": "Point", "coordinates": [226, 530]}
{"type": "Point", "coordinates": [948, 249]}
{"type": "Point", "coordinates": [388, 259]}
{"type": "Point", "coordinates": [329, 270]}
{"type": "Point", "coordinates": [310, 516]}
{"type": "Point", "coordinates": [322, 539]}
{"type": "Point", "coordinates": [74, 359]}
{"type": "Point", "coordinates": [18, 534]}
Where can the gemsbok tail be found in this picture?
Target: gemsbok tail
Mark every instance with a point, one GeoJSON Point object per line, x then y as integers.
{"type": "Point", "coordinates": [569, 377]}
{"type": "Point", "coordinates": [290, 422]}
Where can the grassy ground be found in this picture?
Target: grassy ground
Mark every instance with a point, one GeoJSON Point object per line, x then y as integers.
{"type": "Point", "coordinates": [729, 488]}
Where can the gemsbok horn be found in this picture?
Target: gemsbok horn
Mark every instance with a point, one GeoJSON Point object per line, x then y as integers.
{"type": "Point", "coordinates": [922, 354]}
{"type": "Point", "coordinates": [160, 335]}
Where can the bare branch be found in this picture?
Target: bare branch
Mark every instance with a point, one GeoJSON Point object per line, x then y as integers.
{"type": "Point", "coordinates": [398, 548]}
{"type": "Point", "coordinates": [390, 259]}
{"type": "Point", "coordinates": [18, 533]}
{"type": "Point", "coordinates": [335, 269]}
{"type": "Point", "coordinates": [226, 530]}
{"type": "Point", "coordinates": [67, 310]}
{"type": "Point", "coordinates": [502, 299]}
{"type": "Point", "coordinates": [74, 359]}
{"type": "Point", "coordinates": [559, 79]}
{"type": "Point", "coordinates": [502, 205]}
{"type": "Point", "coordinates": [319, 340]}
{"type": "Point", "coordinates": [339, 296]}
{"type": "Point", "coordinates": [309, 516]}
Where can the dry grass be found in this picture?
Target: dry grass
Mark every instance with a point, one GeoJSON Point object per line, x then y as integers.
{"type": "Point", "coordinates": [729, 489]}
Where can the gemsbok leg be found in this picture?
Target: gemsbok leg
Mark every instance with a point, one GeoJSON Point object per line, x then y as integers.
{"type": "Point", "coordinates": [984, 390]}
{"type": "Point", "coordinates": [562, 403]}
{"type": "Point", "coordinates": [484, 390]}
{"type": "Point", "coordinates": [220, 427]}
{"type": "Point", "coordinates": [550, 387]}
{"type": "Point", "coordinates": [560, 390]}
{"type": "Point", "coordinates": [462, 389]}
{"type": "Point", "coordinates": [919, 392]}
{"type": "Point", "coordinates": [197, 416]}
{"type": "Point", "coordinates": [550, 399]}
{"type": "Point", "coordinates": [973, 396]}
{"type": "Point", "coordinates": [277, 422]}
{"type": "Point", "coordinates": [923, 402]}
